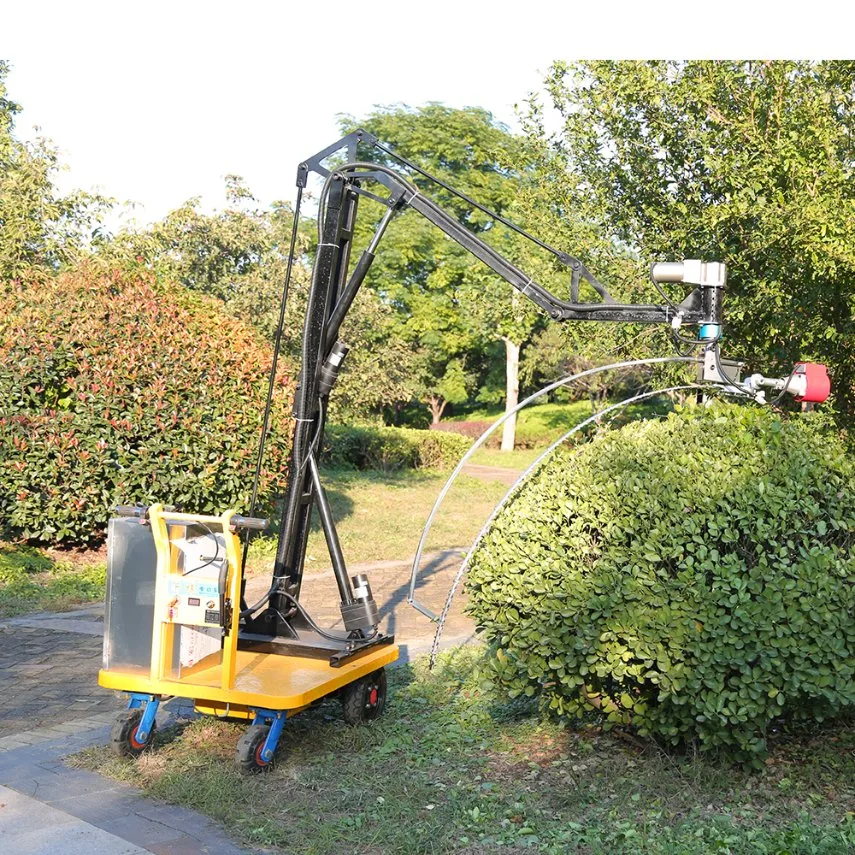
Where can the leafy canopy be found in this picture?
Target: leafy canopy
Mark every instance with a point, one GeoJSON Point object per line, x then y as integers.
{"type": "Point", "coordinates": [448, 305]}
{"type": "Point", "coordinates": [39, 229]}
{"type": "Point", "coordinates": [750, 163]}
{"type": "Point", "coordinates": [239, 254]}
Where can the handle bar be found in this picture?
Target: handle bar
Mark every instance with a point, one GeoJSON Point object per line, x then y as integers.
{"type": "Point", "coordinates": [255, 523]}
{"type": "Point", "coordinates": [141, 512]}
{"type": "Point", "coordinates": [138, 511]}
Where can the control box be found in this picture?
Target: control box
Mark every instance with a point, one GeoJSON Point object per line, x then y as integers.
{"type": "Point", "coordinates": [197, 588]}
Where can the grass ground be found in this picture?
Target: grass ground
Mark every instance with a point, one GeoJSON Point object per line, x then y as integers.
{"type": "Point", "coordinates": [454, 767]}
{"type": "Point", "coordinates": [537, 424]}
{"type": "Point", "coordinates": [380, 516]}
{"type": "Point", "coordinates": [34, 580]}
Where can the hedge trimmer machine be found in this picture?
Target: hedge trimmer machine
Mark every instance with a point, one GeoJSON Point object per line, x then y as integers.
{"type": "Point", "coordinates": [177, 622]}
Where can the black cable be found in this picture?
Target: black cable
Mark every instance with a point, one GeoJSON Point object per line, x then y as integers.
{"type": "Point", "coordinates": [784, 390]}
{"type": "Point", "coordinates": [692, 344]}
{"type": "Point", "coordinates": [277, 346]}
{"type": "Point", "coordinates": [216, 550]}
{"type": "Point", "coordinates": [322, 204]}
{"type": "Point", "coordinates": [246, 611]}
{"type": "Point", "coordinates": [317, 629]}
{"type": "Point", "coordinates": [308, 618]}
{"type": "Point", "coordinates": [662, 293]}
{"type": "Point", "coordinates": [728, 383]}
{"type": "Point", "coordinates": [313, 446]}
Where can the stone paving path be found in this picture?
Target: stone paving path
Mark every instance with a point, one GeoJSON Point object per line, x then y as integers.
{"type": "Point", "coordinates": [54, 674]}
{"type": "Point", "coordinates": [51, 706]}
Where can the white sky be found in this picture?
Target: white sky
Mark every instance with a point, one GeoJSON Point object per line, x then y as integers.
{"type": "Point", "coordinates": [154, 102]}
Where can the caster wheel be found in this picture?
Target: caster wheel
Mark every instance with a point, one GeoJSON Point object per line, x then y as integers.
{"type": "Point", "coordinates": [364, 699]}
{"type": "Point", "coordinates": [123, 739]}
{"type": "Point", "coordinates": [248, 752]}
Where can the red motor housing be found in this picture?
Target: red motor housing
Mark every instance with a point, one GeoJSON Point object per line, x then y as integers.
{"type": "Point", "coordinates": [817, 382]}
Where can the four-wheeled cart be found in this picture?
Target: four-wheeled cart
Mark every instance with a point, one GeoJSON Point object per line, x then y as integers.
{"type": "Point", "coordinates": [172, 629]}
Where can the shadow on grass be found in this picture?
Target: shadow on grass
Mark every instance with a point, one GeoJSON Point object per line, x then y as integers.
{"type": "Point", "coordinates": [22, 559]}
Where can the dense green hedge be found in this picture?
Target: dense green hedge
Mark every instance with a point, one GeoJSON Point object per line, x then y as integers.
{"type": "Point", "coordinates": [114, 388]}
{"type": "Point", "coordinates": [391, 448]}
{"type": "Point", "coordinates": [692, 577]}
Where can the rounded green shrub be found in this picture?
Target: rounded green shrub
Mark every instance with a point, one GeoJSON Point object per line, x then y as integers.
{"type": "Point", "coordinates": [391, 448]}
{"type": "Point", "coordinates": [691, 577]}
{"type": "Point", "coordinates": [117, 389]}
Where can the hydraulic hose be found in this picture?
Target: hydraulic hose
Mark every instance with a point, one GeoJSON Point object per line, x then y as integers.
{"type": "Point", "coordinates": [464, 566]}
{"type": "Point", "coordinates": [658, 360]}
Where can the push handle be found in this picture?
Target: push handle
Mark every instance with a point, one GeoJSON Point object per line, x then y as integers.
{"type": "Point", "coordinates": [138, 511]}
{"type": "Point", "coordinates": [141, 512]}
{"type": "Point", "coordinates": [255, 523]}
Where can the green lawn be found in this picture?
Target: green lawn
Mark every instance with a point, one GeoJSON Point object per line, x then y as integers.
{"type": "Point", "coordinates": [540, 424]}
{"type": "Point", "coordinates": [380, 516]}
{"type": "Point", "coordinates": [454, 767]}
{"type": "Point", "coordinates": [32, 580]}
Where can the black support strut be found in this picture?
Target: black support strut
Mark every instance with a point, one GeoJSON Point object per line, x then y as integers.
{"type": "Point", "coordinates": [331, 295]}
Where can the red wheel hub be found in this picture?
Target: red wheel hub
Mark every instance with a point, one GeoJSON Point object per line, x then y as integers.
{"type": "Point", "coordinates": [373, 696]}
{"type": "Point", "coordinates": [258, 751]}
{"type": "Point", "coordinates": [135, 743]}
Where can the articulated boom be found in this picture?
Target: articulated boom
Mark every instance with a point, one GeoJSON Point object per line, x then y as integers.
{"type": "Point", "coordinates": [334, 286]}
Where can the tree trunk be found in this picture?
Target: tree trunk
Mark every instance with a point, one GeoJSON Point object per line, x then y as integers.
{"type": "Point", "coordinates": [437, 408]}
{"type": "Point", "coordinates": [512, 392]}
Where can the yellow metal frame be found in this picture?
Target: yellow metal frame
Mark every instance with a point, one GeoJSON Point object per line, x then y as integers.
{"type": "Point", "coordinates": [231, 681]}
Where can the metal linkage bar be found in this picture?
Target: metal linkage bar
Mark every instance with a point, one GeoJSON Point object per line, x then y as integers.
{"type": "Point", "coordinates": [691, 310]}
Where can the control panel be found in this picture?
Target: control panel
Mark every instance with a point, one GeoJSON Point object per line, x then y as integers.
{"type": "Point", "coordinates": [197, 588]}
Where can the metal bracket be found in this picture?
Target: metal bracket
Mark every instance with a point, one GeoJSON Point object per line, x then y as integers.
{"type": "Point", "coordinates": [277, 720]}
{"type": "Point", "coordinates": [710, 372]}
{"type": "Point", "coordinates": [152, 702]}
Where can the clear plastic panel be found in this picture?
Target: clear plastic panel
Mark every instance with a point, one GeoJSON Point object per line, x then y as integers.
{"type": "Point", "coordinates": [129, 609]}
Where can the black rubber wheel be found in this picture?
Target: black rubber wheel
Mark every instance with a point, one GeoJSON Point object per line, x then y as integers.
{"type": "Point", "coordinates": [248, 752]}
{"type": "Point", "coordinates": [364, 699]}
{"type": "Point", "coordinates": [123, 739]}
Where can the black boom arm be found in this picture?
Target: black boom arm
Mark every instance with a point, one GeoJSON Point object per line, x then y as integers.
{"type": "Point", "coordinates": [331, 295]}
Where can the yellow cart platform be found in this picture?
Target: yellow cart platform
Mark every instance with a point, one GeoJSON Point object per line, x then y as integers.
{"type": "Point", "coordinates": [171, 631]}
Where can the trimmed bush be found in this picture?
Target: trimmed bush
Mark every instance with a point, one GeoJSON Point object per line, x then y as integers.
{"type": "Point", "coordinates": [472, 430]}
{"type": "Point", "coordinates": [391, 448]}
{"type": "Point", "coordinates": [117, 389]}
{"type": "Point", "coordinates": [691, 577]}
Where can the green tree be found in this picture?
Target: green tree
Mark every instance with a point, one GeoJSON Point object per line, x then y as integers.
{"type": "Point", "coordinates": [38, 227]}
{"type": "Point", "coordinates": [449, 306]}
{"type": "Point", "coordinates": [220, 254]}
{"type": "Point", "coordinates": [750, 163]}
{"type": "Point", "coordinates": [239, 254]}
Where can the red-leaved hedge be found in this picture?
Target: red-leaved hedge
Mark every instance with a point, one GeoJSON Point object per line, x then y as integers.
{"type": "Point", "coordinates": [469, 429]}
{"type": "Point", "coordinates": [117, 389]}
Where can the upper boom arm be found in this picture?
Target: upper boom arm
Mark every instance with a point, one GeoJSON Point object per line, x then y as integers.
{"type": "Point", "coordinates": [702, 305]}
